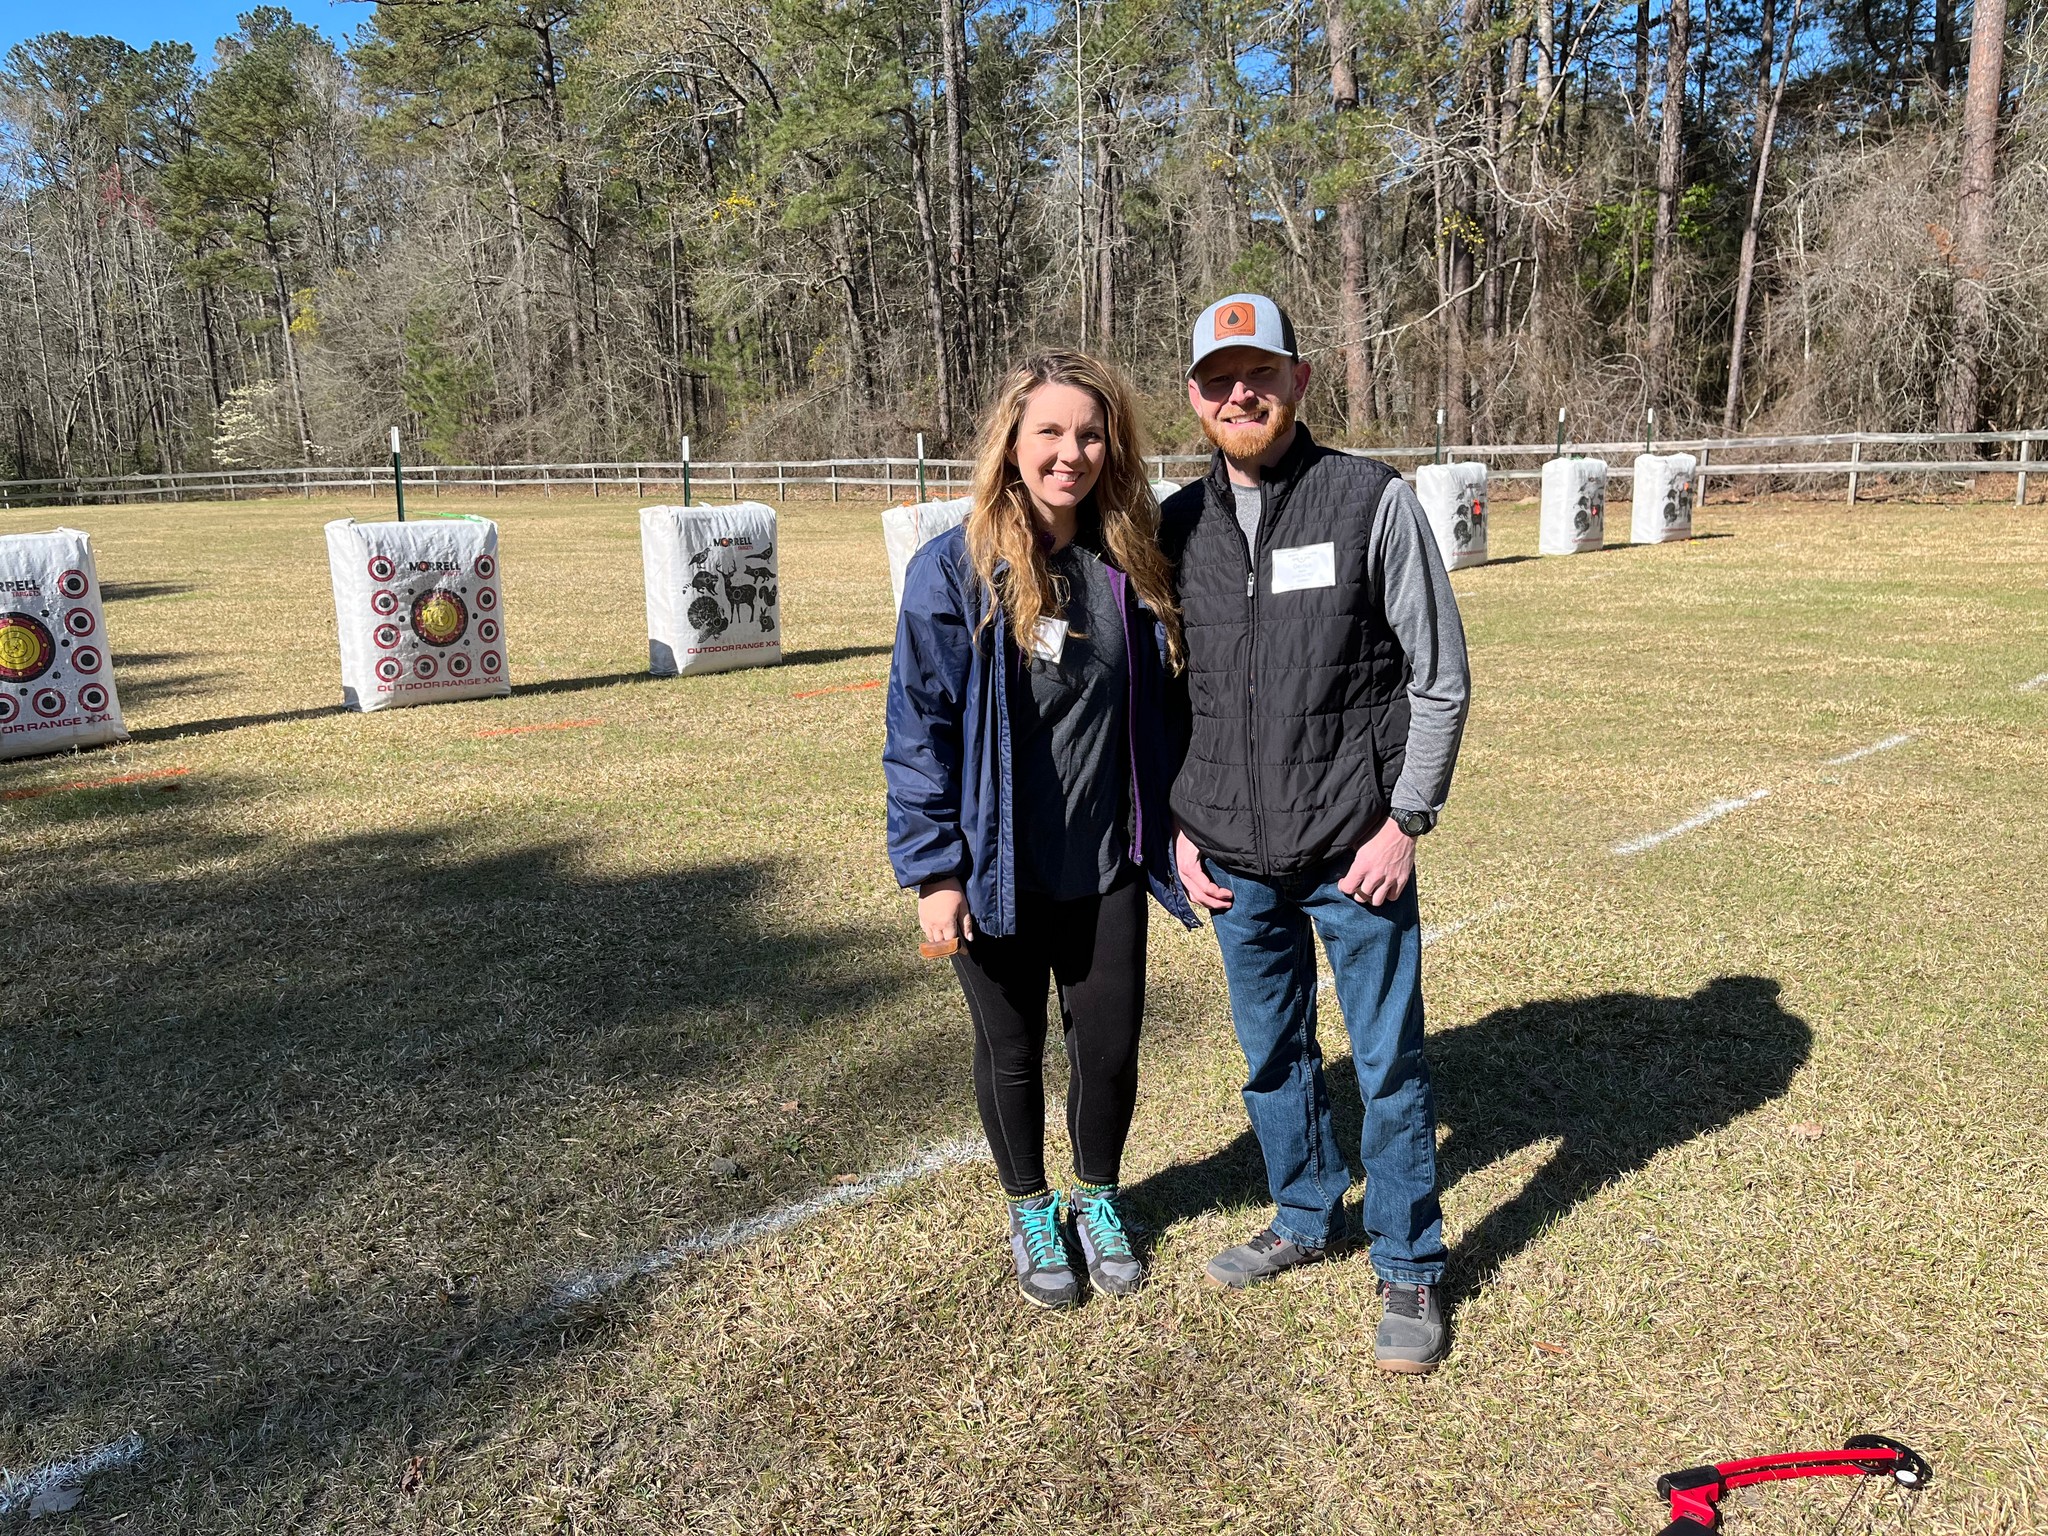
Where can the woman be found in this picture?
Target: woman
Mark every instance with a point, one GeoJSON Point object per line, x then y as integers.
{"type": "Point", "coordinates": [1027, 770]}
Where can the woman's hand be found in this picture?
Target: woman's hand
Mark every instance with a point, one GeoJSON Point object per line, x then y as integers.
{"type": "Point", "coordinates": [942, 911]}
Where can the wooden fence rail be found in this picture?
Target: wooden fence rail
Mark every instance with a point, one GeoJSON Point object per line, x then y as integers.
{"type": "Point", "coordinates": [895, 479]}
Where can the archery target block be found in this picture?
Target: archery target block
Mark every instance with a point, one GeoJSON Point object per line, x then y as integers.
{"type": "Point", "coordinates": [1661, 510]}
{"type": "Point", "coordinates": [1574, 517]}
{"type": "Point", "coordinates": [56, 667]}
{"type": "Point", "coordinates": [906, 530]}
{"type": "Point", "coordinates": [420, 610]}
{"type": "Point", "coordinates": [713, 588]}
{"type": "Point", "coordinates": [1454, 498]}
{"type": "Point", "coordinates": [1161, 489]}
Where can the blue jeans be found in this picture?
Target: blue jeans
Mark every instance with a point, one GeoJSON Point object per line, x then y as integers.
{"type": "Point", "coordinates": [1376, 954]}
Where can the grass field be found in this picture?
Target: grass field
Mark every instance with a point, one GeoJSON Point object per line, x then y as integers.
{"type": "Point", "coordinates": [336, 1051]}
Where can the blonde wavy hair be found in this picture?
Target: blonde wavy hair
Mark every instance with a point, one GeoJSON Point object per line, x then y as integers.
{"type": "Point", "coordinates": [1000, 529]}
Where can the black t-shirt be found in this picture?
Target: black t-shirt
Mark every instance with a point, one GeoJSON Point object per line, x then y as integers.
{"type": "Point", "coordinates": [1068, 738]}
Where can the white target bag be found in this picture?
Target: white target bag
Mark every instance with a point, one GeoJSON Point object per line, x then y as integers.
{"type": "Point", "coordinates": [1454, 497]}
{"type": "Point", "coordinates": [712, 588]}
{"type": "Point", "coordinates": [420, 611]}
{"type": "Point", "coordinates": [1161, 489]}
{"type": "Point", "coordinates": [1574, 518]}
{"type": "Point", "coordinates": [1662, 509]}
{"type": "Point", "coordinates": [56, 668]}
{"type": "Point", "coordinates": [906, 530]}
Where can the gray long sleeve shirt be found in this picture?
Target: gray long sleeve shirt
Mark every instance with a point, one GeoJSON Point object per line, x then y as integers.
{"type": "Point", "coordinates": [1423, 613]}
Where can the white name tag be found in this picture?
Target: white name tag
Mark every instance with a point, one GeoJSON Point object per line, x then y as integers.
{"type": "Point", "coordinates": [1049, 640]}
{"type": "Point", "coordinates": [1310, 565]}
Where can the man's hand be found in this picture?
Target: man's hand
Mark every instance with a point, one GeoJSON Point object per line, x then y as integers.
{"type": "Point", "coordinates": [942, 911]}
{"type": "Point", "coordinates": [1206, 892]}
{"type": "Point", "coordinates": [1382, 869]}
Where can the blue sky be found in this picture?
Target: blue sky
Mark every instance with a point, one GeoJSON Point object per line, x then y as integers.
{"type": "Point", "coordinates": [142, 22]}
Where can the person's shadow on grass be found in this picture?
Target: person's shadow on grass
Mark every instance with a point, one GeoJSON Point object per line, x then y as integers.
{"type": "Point", "coordinates": [1614, 1078]}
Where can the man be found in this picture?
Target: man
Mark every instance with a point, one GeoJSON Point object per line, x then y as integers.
{"type": "Point", "coordinates": [1327, 686]}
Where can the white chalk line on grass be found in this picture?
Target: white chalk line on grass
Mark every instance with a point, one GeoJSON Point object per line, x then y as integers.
{"type": "Point", "coordinates": [1897, 740]}
{"type": "Point", "coordinates": [2032, 684]}
{"type": "Point", "coordinates": [1692, 823]}
{"type": "Point", "coordinates": [20, 1490]}
{"type": "Point", "coordinates": [595, 1283]}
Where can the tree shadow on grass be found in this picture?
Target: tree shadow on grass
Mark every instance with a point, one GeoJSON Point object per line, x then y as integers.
{"type": "Point", "coordinates": [825, 656]}
{"type": "Point", "coordinates": [227, 722]}
{"type": "Point", "coordinates": [314, 1121]}
{"type": "Point", "coordinates": [131, 591]}
{"type": "Point", "coordinates": [1615, 1079]}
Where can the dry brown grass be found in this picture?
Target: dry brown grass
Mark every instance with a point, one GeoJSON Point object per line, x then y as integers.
{"type": "Point", "coordinates": [319, 1071]}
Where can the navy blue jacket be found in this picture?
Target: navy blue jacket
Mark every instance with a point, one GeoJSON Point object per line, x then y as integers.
{"type": "Point", "coordinates": [948, 754]}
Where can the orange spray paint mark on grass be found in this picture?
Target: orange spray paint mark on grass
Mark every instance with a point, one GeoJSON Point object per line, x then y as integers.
{"type": "Point", "coordinates": [547, 725]}
{"type": "Point", "coordinates": [812, 693]}
{"type": "Point", "coordinates": [119, 779]}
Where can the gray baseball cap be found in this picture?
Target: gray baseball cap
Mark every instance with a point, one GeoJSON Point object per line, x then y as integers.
{"type": "Point", "coordinates": [1243, 320]}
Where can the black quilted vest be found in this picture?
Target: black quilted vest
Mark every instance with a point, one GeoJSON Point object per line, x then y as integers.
{"type": "Point", "coordinates": [1298, 698]}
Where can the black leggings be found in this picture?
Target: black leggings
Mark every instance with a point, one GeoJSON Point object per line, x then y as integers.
{"type": "Point", "coordinates": [1094, 949]}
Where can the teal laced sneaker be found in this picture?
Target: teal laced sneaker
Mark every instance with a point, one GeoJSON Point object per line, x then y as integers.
{"type": "Point", "coordinates": [1113, 1267]}
{"type": "Point", "coordinates": [1044, 1273]}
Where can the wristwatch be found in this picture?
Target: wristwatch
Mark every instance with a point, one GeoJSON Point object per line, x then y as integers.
{"type": "Point", "coordinates": [1414, 823]}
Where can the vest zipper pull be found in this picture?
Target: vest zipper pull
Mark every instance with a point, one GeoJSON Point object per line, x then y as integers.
{"type": "Point", "coordinates": [1251, 583]}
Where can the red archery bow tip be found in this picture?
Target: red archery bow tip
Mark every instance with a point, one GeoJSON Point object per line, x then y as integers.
{"type": "Point", "coordinates": [1696, 1493]}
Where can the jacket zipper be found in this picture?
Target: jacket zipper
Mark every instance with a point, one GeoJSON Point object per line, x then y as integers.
{"type": "Point", "coordinates": [1251, 667]}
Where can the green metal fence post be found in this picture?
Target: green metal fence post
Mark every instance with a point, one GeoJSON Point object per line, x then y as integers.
{"type": "Point", "coordinates": [397, 475]}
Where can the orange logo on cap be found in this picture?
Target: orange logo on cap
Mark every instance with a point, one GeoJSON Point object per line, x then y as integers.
{"type": "Point", "coordinates": [1236, 320]}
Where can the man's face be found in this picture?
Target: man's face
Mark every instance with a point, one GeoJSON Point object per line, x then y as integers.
{"type": "Point", "coordinates": [1245, 398]}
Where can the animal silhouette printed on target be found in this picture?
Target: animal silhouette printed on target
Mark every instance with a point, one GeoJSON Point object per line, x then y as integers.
{"type": "Point", "coordinates": [56, 678]}
{"type": "Point", "coordinates": [419, 608]}
{"type": "Point", "coordinates": [1574, 517]}
{"type": "Point", "coordinates": [1660, 509]}
{"type": "Point", "coordinates": [1453, 497]}
{"type": "Point", "coordinates": [713, 588]}
{"type": "Point", "coordinates": [906, 530]}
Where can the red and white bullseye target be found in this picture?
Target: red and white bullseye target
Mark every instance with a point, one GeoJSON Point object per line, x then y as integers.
{"type": "Point", "coordinates": [409, 600]}
{"type": "Point", "coordinates": [50, 602]}
{"type": "Point", "coordinates": [490, 662]}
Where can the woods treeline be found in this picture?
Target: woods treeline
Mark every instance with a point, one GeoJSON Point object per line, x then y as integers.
{"type": "Point", "coordinates": [581, 229]}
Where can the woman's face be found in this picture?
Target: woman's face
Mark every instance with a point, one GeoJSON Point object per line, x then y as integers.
{"type": "Point", "coordinates": [1062, 440]}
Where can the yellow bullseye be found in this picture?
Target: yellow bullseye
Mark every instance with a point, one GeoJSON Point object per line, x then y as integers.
{"type": "Point", "coordinates": [439, 619]}
{"type": "Point", "coordinates": [19, 648]}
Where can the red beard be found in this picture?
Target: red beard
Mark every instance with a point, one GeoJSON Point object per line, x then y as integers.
{"type": "Point", "coordinates": [1249, 443]}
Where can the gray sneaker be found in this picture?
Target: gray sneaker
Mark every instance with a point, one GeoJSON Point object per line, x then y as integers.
{"type": "Point", "coordinates": [1113, 1268]}
{"type": "Point", "coordinates": [1044, 1273]}
{"type": "Point", "coordinates": [1262, 1258]}
{"type": "Point", "coordinates": [1411, 1337]}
